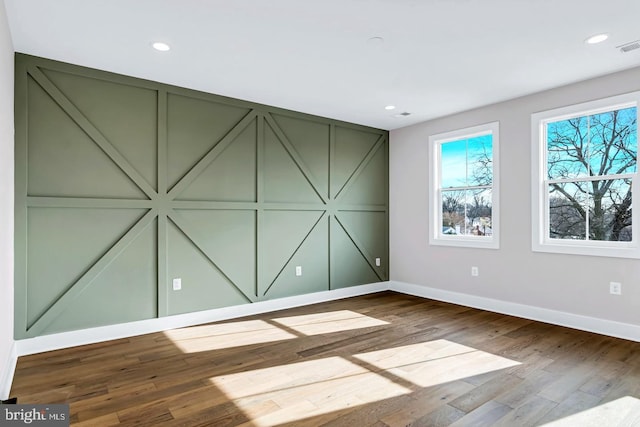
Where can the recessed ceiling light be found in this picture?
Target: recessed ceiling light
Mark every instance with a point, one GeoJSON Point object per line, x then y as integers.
{"type": "Point", "coordinates": [598, 38]}
{"type": "Point", "coordinates": [390, 107]}
{"type": "Point", "coordinates": [162, 47]}
{"type": "Point", "coordinates": [375, 41]}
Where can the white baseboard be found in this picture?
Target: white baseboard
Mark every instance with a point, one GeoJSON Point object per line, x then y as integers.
{"type": "Point", "coordinates": [104, 333]}
{"type": "Point", "coordinates": [585, 323]}
{"type": "Point", "coordinates": [9, 369]}
{"type": "Point", "coordinates": [89, 336]}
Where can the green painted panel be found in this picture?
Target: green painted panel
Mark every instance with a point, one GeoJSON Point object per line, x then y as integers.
{"type": "Point", "coordinates": [63, 160]}
{"type": "Point", "coordinates": [369, 187]}
{"type": "Point", "coordinates": [63, 244]}
{"type": "Point", "coordinates": [312, 257]}
{"type": "Point", "coordinates": [254, 193]}
{"type": "Point", "coordinates": [228, 238]}
{"type": "Point", "coordinates": [282, 233]}
{"type": "Point", "coordinates": [125, 291]}
{"type": "Point", "coordinates": [203, 286]}
{"type": "Point", "coordinates": [369, 229]}
{"type": "Point", "coordinates": [283, 179]}
{"type": "Point", "coordinates": [232, 175]}
{"type": "Point", "coordinates": [351, 148]}
{"type": "Point", "coordinates": [194, 127]}
{"type": "Point", "coordinates": [350, 267]}
{"type": "Point", "coordinates": [124, 114]}
{"type": "Point", "coordinates": [311, 141]}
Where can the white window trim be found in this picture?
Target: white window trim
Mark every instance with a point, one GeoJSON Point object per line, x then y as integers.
{"type": "Point", "coordinates": [540, 242]}
{"type": "Point", "coordinates": [435, 232]}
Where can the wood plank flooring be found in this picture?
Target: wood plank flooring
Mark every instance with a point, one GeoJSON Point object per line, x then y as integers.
{"type": "Point", "coordinates": [380, 360]}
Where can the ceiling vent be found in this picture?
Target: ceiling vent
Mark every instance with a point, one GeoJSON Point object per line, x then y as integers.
{"type": "Point", "coordinates": [628, 47]}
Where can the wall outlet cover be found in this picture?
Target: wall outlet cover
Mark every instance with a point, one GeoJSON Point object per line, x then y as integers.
{"type": "Point", "coordinates": [615, 288]}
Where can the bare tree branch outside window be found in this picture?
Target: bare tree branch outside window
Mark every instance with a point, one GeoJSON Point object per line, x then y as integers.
{"type": "Point", "coordinates": [466, 186]}
{"type": "Point", "coordinates": [590, 163]}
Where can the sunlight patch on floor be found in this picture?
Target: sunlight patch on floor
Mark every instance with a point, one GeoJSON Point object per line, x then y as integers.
{"type": "Point", "coordinates": [296, 391]}
{"type": "Point", "coordinates": [624, 411]}
{"type": "Point", "coordinates": [435, 362]}
{"type": "Point", "coordinates": [328, 322]}
{"type": "Point", "coordinates": [305, 389]}
{"type": "Point", "coordinates": [226, 335]}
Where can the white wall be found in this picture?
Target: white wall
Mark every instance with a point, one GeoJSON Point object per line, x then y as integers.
{"type": "Point", "coordinates": [566, 283]}
{"type": "Point", "coordinates": [6, 203]}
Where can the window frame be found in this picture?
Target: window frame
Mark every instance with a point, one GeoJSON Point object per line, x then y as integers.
{"type": "Point", "coordinates": [540, 240]}
{"type": "Point", "coordinates": [436, 236]}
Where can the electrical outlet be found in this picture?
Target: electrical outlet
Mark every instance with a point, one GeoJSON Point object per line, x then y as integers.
{"type": "Point", "coordinates": [298, 270]}
{"type": "Point", "coordinates": [474, 271]}
{"type": "Point", "coordinates": [377, 262]}
{"type": "Point", "coordinates": [177, 284]}
{"type": "Point", "coordinates": [615, 288]}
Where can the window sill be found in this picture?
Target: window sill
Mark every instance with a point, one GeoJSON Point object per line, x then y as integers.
{"type": "Point", "coordinates": [466, 242]}
{"type": "Point", "coordinates": [611, 251]}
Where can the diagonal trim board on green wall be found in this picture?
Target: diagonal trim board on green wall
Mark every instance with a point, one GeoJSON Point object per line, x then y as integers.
{"type": "Point", "coordinates": [123, 185]}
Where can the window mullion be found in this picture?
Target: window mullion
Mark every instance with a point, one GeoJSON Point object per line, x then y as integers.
{"type": "Point", "coordinates": [471, 187]}
{"type": "Point", "coordinates": [591, 178]}
{"type": "Point", "coordinates": [587, 218]}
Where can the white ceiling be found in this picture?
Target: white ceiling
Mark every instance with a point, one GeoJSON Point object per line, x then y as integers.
{"type": "Point", "coordinates": [438, 56]}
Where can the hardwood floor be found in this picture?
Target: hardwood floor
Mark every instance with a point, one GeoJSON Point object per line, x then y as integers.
{"type": "Point", "coordinates": [379, 360]}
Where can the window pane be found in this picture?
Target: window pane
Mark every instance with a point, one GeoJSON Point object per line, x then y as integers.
{"type": "Point", "coordinates": [453, 216]}
{"type": "Point", "coordinates": [567, 148]}
{"type": "Point", "coordinates": [480, 160]}
{"type": "Point", "coordinates": [479, 212]}
{"type": "Point", "coordinates": [613, 142]}
{"type": "Point", "coordinates": [610, 210]}
{"type": "Point", "coordinates": [454, 163]}
{"type": "Point", "coordinates": [467, 212]}
{"type": "Point", "coordinates": [567, 214]}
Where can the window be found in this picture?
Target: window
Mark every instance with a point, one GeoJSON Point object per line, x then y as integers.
{"type": "Point", "coordinates": [464, 191]}
{"type": "Point", "coordinates": [584, 170]}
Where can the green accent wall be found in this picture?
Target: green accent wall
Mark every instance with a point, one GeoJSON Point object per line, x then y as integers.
{"type": "Point", "coordinates": [124, 184]}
